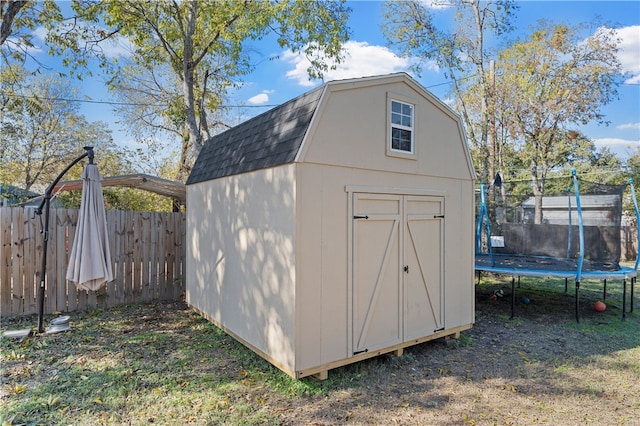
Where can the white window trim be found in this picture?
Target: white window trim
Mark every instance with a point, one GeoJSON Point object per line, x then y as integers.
{"type": "Point", "coordinates": [395, 152]}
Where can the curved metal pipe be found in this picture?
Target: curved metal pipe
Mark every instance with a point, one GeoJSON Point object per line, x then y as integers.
{"type": "Point", "coordinates": [46, 204]}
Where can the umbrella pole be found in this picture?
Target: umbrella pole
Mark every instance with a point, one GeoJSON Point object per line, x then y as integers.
{"type": "Point", "coordinates": [46, 203]}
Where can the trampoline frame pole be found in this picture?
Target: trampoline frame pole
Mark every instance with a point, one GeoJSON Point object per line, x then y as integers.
{"type": "Point", "coordinates": [577, 301]}
{"type": "Point", "coordinates": [635, 206]}
{"type": "Point", "coordinates": [480, 220]}
{"type": "Point", "coordinates": [624, 299]}
{"type": "Point", "coordinates": [633, 279]}
{"type": "Point", "coordinates": [580, 227]}
{"type": "Point", "coordinates": [484, 213]}
{"type": "Point", "coordinates": [633, 283]}
{"type": "Point", "coordinates": [581, 238]}
{"type": "Point", "coordinates": [513, 296]}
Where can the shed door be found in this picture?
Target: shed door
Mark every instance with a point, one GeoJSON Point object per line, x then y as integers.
{"type": "Point", "coordinates": [423, 279]}
{"type": "Point", "coordinates": [397, 269]}
{"type": "Point", "coordinates": [376, 268]}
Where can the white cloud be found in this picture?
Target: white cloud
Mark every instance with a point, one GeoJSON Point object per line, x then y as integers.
{"type": "Point", "coordinates": [40, 34]}
{"type": "Point", "coordinates": [260, 99]}
{"type": "Point", "coordinates": [616, 142]}
{"type": "Point", "coordinates": [623, 148]}
{"type": "Point", "coordinates": [629, 53]}
{"type": "Point", "coordinates": [361, 59]}
{"type": "Point", "coordinates": [436, 4]}
{"type": "Point", "coordinates": [628, 126]}
{"type": "Point", "coordinates": [117, 47]}
{"type": "Point", "coordinates": [15, 42]}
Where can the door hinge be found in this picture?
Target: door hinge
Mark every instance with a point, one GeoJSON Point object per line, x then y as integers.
{"type": "Point", "coordinates": [361, 217]}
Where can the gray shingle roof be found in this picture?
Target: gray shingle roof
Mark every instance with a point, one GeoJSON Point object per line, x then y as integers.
{"type": "Point", "coordinates": [269, 139]}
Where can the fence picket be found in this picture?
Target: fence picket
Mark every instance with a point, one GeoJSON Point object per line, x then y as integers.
{"type": "Point", "coordinates": [141, 244]}
{"type": "Point", "coordinates": [6, 296]}
{"type": "Point", "coordinates": [145, 240]}
{"type": "Point", "coordinates": [60, 244]}
{"type": "Point", "coordinates": [129, 245]}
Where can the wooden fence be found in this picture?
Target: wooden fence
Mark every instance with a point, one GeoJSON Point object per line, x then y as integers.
{"type": "Point", "coordinates": [147, 254]}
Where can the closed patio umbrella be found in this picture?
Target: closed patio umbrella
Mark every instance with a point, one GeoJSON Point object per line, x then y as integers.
{"type": "Point", "coordinates": [90, 259]}
{"type": "Point", "coordinates": [76, 253]}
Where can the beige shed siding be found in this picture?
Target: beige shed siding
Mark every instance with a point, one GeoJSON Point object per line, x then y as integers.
{"type": "Point", "coordinates": [241, 237]}
{"type": "Point", "coordinates": [323, 320]}
{"type": "Point", "coordinates": [322, 266]}
{"type": "Point", "coordinates": [350, 129]}
{"type": "Point", "coordinates": [278, 240]}
{"type": "Point", "coordinates": [346, 145]}
{"type": "Point", "coordinates": [459, 256]}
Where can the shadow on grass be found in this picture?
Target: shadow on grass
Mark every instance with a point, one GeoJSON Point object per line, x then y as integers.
{"type": "Point", "coordinates": [163, 363]}
{"type": "Point", "coordinates": [147, 362]}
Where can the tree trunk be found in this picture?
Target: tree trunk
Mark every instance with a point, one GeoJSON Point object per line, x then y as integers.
{"type": "Point", "coordinates": [191, 145]}
{"type": "Point", "coordinates": [537, 178]}
{"type": "Point", "coordinates": [13, 7]}
{"type": "Point", "coordinates": [489, 162]}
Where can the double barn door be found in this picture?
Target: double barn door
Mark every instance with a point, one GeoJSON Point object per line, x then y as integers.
{"type": "Point", "coordinates": [397, 284]}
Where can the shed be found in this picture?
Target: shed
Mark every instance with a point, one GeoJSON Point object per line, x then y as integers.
{"type": "Point", "coordinates": [335, 227]}
{"type": "Point", "coordinates": [596, 210]}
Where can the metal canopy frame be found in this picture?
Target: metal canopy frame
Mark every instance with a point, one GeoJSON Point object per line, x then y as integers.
{"type": "Point", "coordinates": [165, 187]}
{"type": "Point", "coordinates": [46, 204]}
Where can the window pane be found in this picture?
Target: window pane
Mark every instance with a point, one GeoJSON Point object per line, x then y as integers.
{"type": "Point", "coordinates": [401, 126]}
{"type": "Point", "coordinates": [401, 139]}
{"type": "Point", "coordinates": [395, 139]}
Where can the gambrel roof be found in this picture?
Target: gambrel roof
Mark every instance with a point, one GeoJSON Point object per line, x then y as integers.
{"type": "Point", "coordinates": [276, 137]}
{"type": "Point", "coordinates": [267, 140]}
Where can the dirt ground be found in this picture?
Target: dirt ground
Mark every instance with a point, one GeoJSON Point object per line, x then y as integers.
{"type": "Point", "coordinates": [539, 368]}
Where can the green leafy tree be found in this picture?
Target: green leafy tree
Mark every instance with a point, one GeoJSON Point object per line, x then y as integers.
{"type": "Point", "coordinates": [41, 130]}
{"type": "Point", "coordinates": [200, 47]}
{"type": "Point", "coordinates": [411, 28]}
{"type": "Point", "coordinates": [19, 19]}
{"type": "Point", "coordinates": [552, 83]}
{"type": "Point", "coordinates": [633, 166]}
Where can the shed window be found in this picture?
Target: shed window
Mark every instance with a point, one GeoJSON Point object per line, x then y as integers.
{"type": "Point", "coordinates": [401, 127]}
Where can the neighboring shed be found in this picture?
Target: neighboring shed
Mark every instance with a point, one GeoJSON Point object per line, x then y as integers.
{"type": "Point", "coordinates": [335, 227]}
{"type": "Point", "coordinates": [595, 209]}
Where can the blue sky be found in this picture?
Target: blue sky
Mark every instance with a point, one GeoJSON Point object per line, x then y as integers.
{"type": "Point", "coordinates": [276, 81]}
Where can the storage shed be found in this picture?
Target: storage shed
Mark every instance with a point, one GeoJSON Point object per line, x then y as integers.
{"type": "Point", "coordinates": [335, 227]}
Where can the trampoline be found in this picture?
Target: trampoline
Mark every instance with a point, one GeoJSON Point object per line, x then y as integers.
{"type": "Point", "coordinates": [573, 232]}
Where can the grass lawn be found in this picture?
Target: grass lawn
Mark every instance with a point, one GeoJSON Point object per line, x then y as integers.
{"type": "Point", "coordinates": [164, 364]}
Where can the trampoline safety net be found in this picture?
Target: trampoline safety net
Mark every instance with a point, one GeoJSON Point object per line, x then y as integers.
{"type": "Point", "coordinates": [518, 229]}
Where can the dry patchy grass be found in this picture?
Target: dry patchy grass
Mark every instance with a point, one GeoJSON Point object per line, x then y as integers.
{"type": "Point", "coordinates": [163, 364]}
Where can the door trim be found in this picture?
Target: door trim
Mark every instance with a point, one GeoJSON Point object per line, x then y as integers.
{"type": "Point", "coordinates": [379, 190]}
{"type": "Point", "coordinates": [395, 190]}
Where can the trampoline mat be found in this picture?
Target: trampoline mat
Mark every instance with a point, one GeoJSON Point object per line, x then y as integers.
{"type": "Point", "coordinates": [543, 263]}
